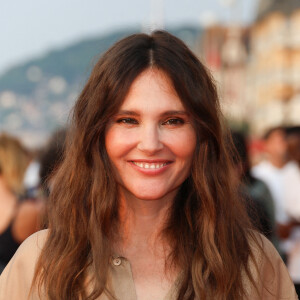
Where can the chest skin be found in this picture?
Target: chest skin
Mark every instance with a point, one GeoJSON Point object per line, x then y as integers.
{"type": "Point", "coordinates": [147, 268]}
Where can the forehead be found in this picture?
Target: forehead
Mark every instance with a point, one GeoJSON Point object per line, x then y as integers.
{"type": "Point", "coordinates": [151, 89]}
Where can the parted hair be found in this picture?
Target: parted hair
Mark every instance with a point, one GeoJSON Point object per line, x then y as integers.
{"type": "Point", "coordinates": [207, 227]}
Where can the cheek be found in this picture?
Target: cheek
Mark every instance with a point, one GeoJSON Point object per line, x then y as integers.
{"type": "Point", "coordinates": [117, 143]}
{"type": "Point", "coordinates": [109, 142]}
{"type": "Point", "coordinates": [112, 144]}
{"type": "Point", "coordinates": [183, 144]}
{"type": "Point", "coordinates": [114, 148]}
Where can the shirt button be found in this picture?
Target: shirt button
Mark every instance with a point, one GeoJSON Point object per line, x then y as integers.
{"type": "Point", "coordinates": [117, 261]}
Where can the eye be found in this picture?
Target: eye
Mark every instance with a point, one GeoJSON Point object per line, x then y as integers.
{"type": "Point", "coordinates": [174, 121]}
{"type": "Point", "coordinates": [127, 121]}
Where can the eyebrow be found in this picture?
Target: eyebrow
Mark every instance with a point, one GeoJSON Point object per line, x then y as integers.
{"type": "Point", "coordinates": [166, 113]}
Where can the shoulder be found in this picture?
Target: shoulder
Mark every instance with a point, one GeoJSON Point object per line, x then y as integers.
{"type": "Point", "coordinates": [266, 256]}
{"type": "Point", "coordinates": [33, 244]}
{"type": "Point", "coordinates": [292, 165]}
{"type": "Point", "coordinates": [29, 251]}
{"type": "Point", "coordinates": [261, 168]}
{"type": "Point", "coordinates": [291, 169]}
{"type": "Point", "coordinates": [269, 272]}
{"type": "Point", "coordinates": [16, 279]}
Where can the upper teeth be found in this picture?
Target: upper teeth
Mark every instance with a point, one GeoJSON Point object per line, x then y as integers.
{"type": "Point", "coordinates": [149, 165]}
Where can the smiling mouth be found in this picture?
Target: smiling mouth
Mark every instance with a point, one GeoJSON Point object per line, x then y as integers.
{"type": "Point", "coordinates": [152, 166]}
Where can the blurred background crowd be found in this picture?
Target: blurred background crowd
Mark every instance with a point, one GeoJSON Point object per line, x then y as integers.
{"type": "Point", "coordinates": [256, 66]}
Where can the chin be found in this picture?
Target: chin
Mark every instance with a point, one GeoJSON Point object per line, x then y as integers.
{"type": "Point", "coordinates": [148, 195]}
{"type": "Point", "coordinates": [145, 194]}
{"type": "Point", "coordinates": [153, 194]}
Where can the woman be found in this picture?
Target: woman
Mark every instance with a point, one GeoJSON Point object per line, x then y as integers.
{"type": "Point", "coordinates": [143, 206]}
{"type": "Point", "coordinates": [18, 220]}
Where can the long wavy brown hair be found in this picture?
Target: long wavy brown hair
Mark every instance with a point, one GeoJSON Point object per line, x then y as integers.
{"type": "Point", "coordinates": [207, 229]}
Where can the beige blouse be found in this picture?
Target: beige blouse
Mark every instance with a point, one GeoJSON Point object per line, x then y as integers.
{"type": "Point", "coordinates": [16, 279]}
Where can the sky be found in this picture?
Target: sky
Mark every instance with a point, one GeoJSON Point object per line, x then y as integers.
{"type": "Point", "coordinates": [30, 28]}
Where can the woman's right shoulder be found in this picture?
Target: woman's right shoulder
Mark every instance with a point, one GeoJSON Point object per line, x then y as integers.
{"type": "Point", "coordinates": [32, 246]}
{"type": "Point", "coordinates": [16, 279]}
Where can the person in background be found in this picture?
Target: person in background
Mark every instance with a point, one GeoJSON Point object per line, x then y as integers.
{"type": "Point", "coordinates": [293, 141]}
{"type": "Point", "coordinates": [32, 179]}
{"type": "Point", "coordinates": [274, 171]}
{"type": "Point", "coordinates": [50, 159]}
{"type": "Point", "coordinates": [19, 218]}
{"type": "Point", "coordinates": [282, 176]}
{"type": "Point", "coordinates": [292, 178]}
{"type": "Point", "coordinates": [293, 205]}
{"type": "Point", "coordinates": [260, 204]}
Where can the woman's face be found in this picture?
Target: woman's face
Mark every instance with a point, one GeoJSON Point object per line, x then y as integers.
{"type": "Point", "coordinates": [151, 140]}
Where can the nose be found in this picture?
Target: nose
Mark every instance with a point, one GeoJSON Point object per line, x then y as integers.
{"type": "Point", "coordinates": [150, 140]}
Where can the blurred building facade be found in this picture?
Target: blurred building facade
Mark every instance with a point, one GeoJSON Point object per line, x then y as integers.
{"type": "Point", "coordinates": [257, 69]}
{"type": "Point", "coordinates": [224, 50]}
{"type": "Point", "coordinates": [274, 66]}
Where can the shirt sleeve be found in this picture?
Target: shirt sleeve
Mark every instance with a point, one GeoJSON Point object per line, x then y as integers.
{"type": "Point", "coordinates": [16, 279]}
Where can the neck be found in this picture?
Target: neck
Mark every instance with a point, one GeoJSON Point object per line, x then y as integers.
{"type": "Point", "coordinates": [277, 162]}
{"type": "Point", "coordinates": [141, 221]}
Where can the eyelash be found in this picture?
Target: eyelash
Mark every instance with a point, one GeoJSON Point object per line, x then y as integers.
{"type": "Point", "coordinates": [174, 121]}
{"type": "Point", "coordinates": [127, 121]}
{"type": "Point", "coordinates": [171, 121]}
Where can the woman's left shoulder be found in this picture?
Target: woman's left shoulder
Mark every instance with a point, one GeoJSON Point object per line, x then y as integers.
{"type": "Point", "coordinates": [269, 271]}
{"type": "Point", "coordinates": [261, 245]}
